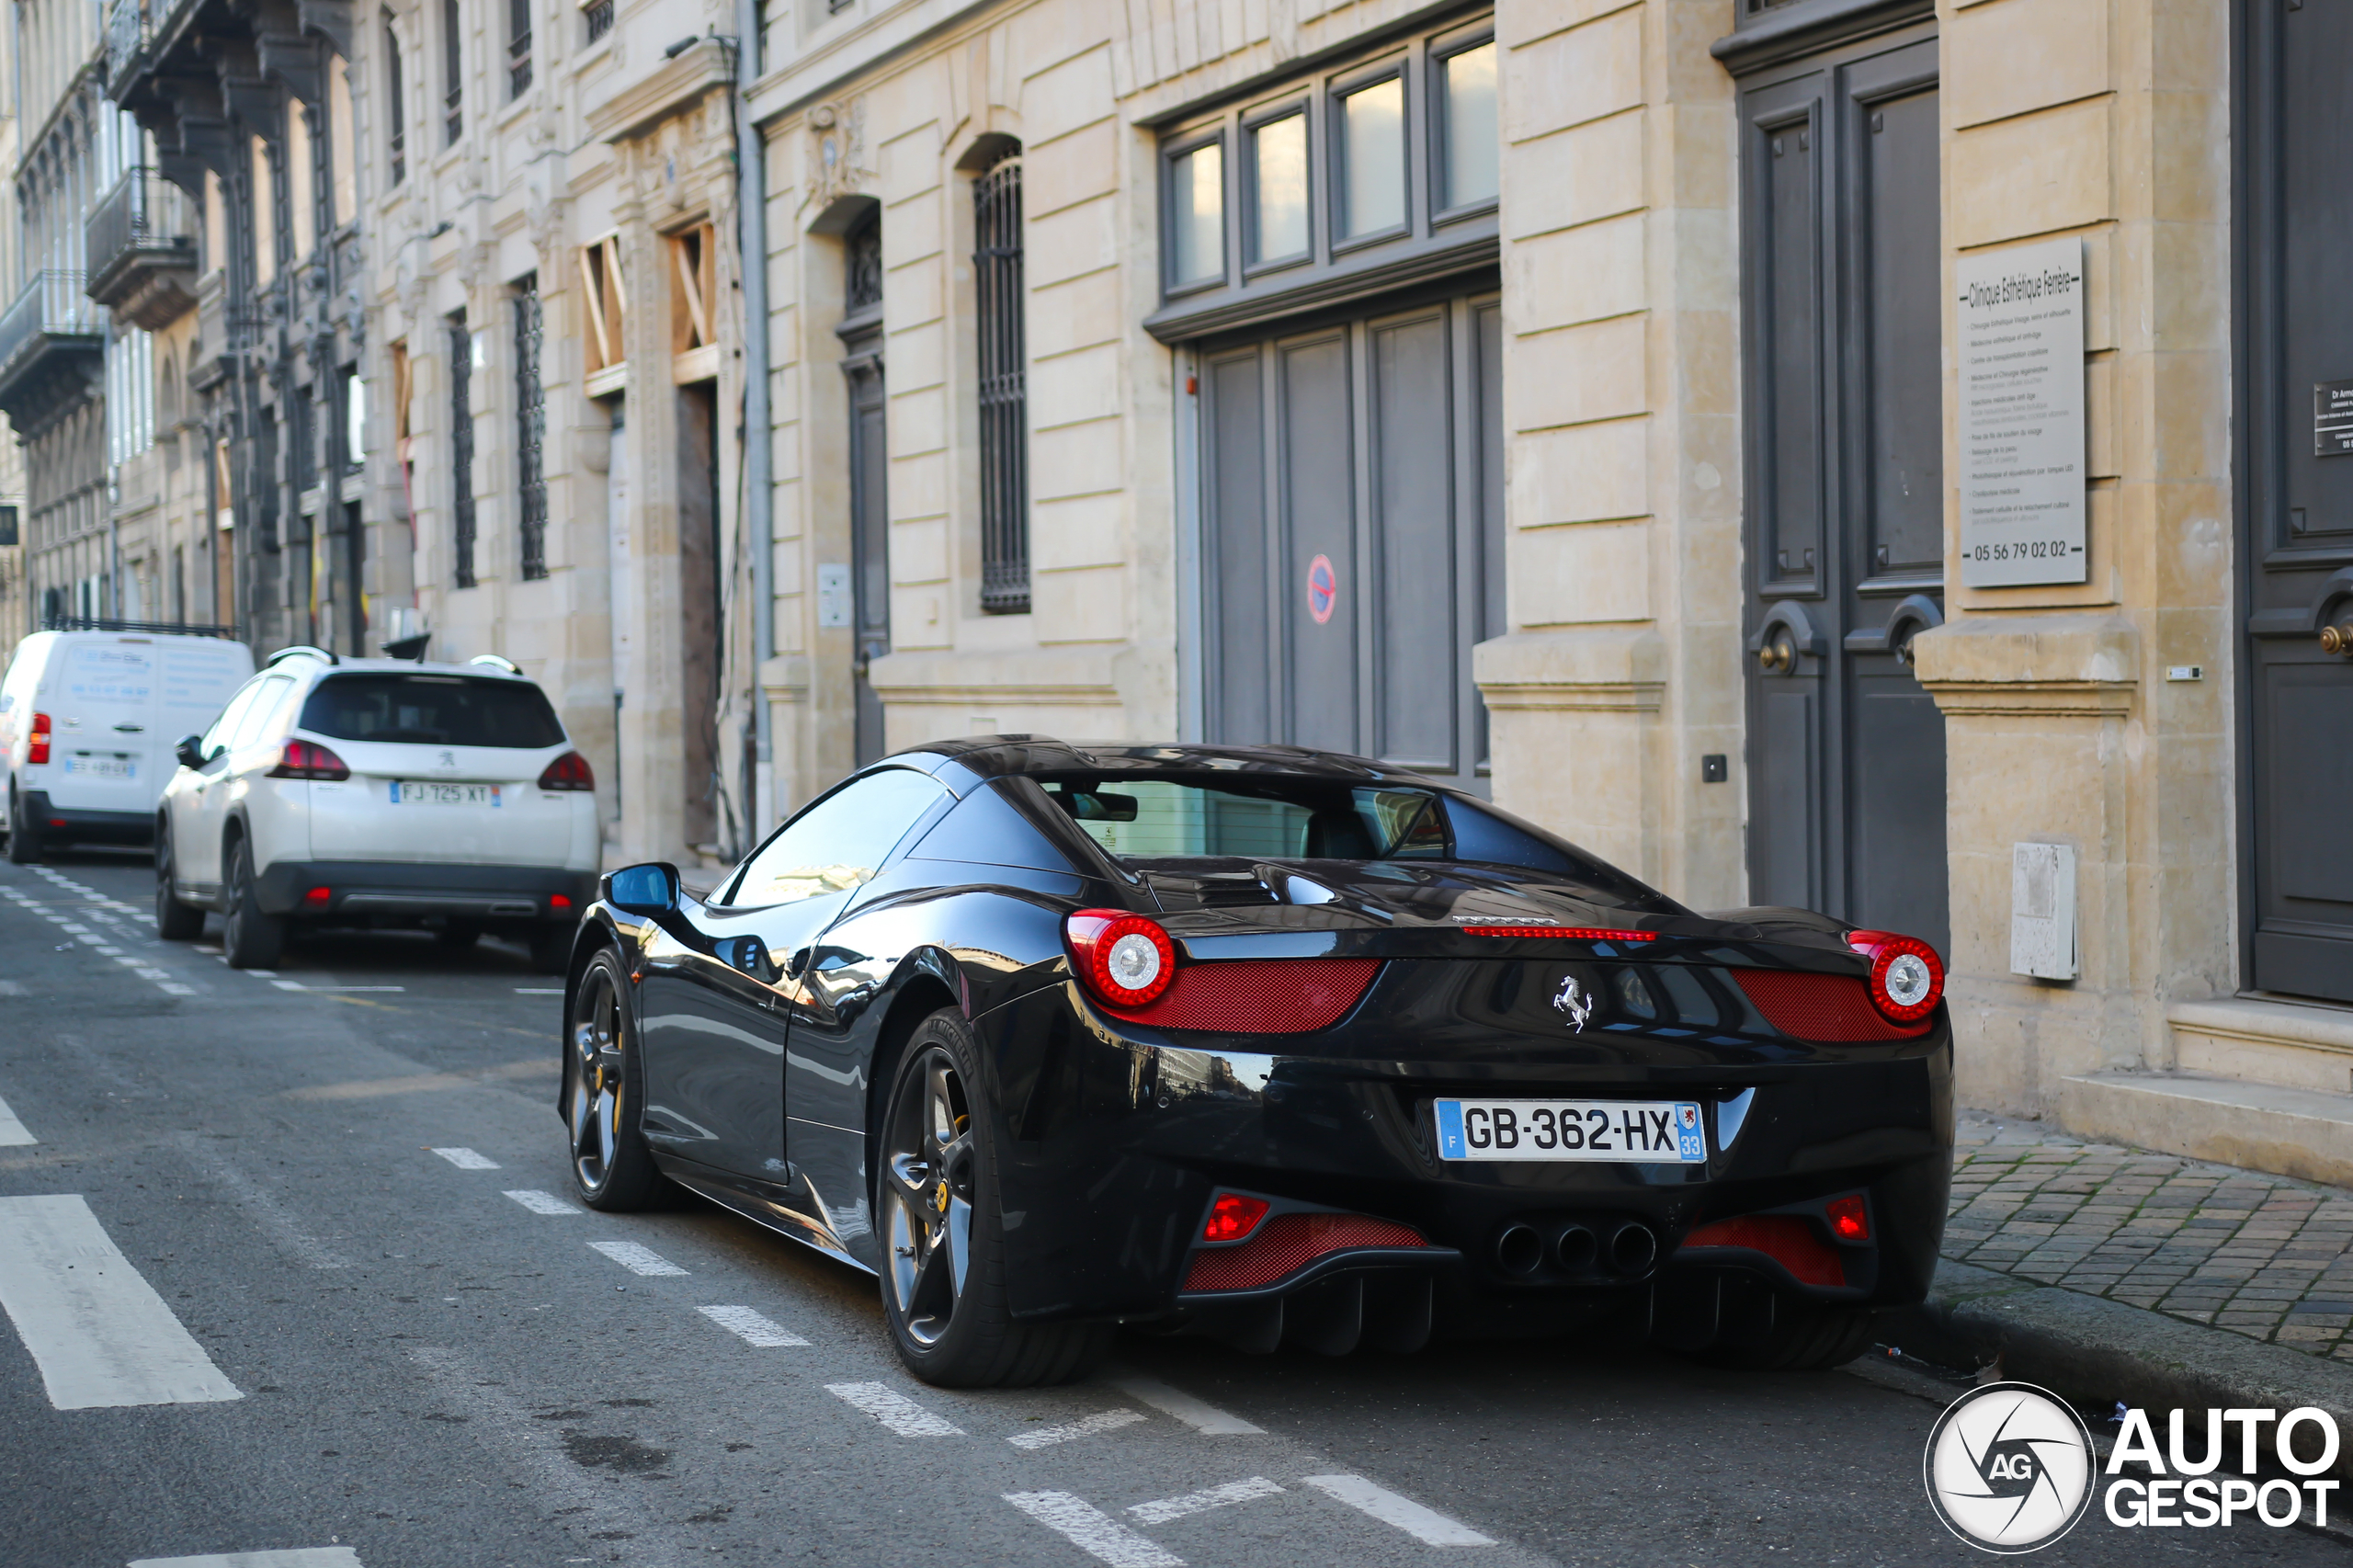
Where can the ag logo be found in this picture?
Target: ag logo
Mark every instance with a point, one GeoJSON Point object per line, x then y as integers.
{"type": "Point", "coordinates": [2009, 1468]}
{"type": "Point", "coordinates": [1573, 1000]}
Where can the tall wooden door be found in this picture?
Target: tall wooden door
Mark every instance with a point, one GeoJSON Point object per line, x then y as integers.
{"type": "Point", "coordinates": [2296, 538]}
{"type": "Point", "coordinates": [1352, 532]}
{"type": "Point", "coordinates": [1845, 513]}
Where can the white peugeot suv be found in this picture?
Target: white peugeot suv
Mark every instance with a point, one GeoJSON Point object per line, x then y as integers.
{"type": "Point", "coordinates": [378, 792]}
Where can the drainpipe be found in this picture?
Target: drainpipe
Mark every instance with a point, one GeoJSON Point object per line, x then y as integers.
{"type": "Point", "coordinates": [751, 211]}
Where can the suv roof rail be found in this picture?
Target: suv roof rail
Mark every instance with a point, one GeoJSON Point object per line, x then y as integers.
{"type": "Point", "coordinates": [496, 663]}
{"type": "Point", "coordinates": [301, 650]}
{"type": "Point", "coordinates": [152, 628]}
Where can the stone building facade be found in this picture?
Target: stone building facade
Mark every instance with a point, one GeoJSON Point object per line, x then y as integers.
{"type": "Point", "coordinates": [1626, 481]}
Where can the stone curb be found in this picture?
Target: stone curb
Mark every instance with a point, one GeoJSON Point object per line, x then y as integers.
{"type": "Point", "coordinates": [2095, 1352]}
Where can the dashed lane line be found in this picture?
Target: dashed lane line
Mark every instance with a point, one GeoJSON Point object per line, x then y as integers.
{"type": "Point", "coordinates": [97, 1330]}
{"type": "Point", "coordinates": [1087, 1427]}
{"type": "Point", "coordinates": [1202, 1417]}
{"type": "Point", "coordinates": [538, 991]}
{"type": "Point", "coordinates": [894, 1410]}
{"type": "Point", "coordinates": [13, 1134]}
{"type": "Point", "coordinates": [467, 1160]}
{"type": "Point", "coordinates": [163, 980]}
{"type": "Point", "coordinates": [1425, 1525]}
{"type": "Point", "coordinates": [751, 1327]}
{"type": "Point", "coordinates": [1225, 1496]}
{"type": "Point", "coordinates": [299, 985]}
{"type": "Point", "coordinates": [301, 1557]}
{"type": "Point", "coordinates": [638, 1259]}
{"type": "Point", "coordinates": [1092, 1530]}
{"type": "Point", "coordinates": [540, 1202]}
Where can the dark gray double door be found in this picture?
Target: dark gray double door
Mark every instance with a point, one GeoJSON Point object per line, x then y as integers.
{"type": "Point", "coordinates": [2296, 540]}
{"type": "Point", "coordinates": [1844, 530]}
{"type": "Point", "coordinates": [1352, 531]}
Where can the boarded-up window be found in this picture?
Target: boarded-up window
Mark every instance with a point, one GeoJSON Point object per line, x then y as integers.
{"type": "Point", "coordinates": [605, 298]}
{"type": "Point", "coordinates": [694, 295]}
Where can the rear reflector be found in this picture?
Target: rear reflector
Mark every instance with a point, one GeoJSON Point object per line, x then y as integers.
{"type": "Point", "coordinates": [1785, 1238]}
{"type": "Point", "coordinates": [1834, 1008]}
{"type": "Point", "coordinates": [559, 901]}
{"type": "Point", "coordinates": [1289, 1242]}
{"type": "Point", "coordinates": [1849, 1218]}
{"type": "Point", "coordinates": [1232, 1217]}
{"type": "Point", "coordinates": [1257, 996]}
{"type": "Point", "coordinates": [317, 898]}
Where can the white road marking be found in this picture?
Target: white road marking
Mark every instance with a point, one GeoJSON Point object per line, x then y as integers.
{"type": "Point", "coordinates": [638, 1259]}
{"type": "Point", "coordinates": [1232, 1492]}
{"type": "Point", "coordinates": [467, 1160]}
{"type": "Point", "coordinates": [1047, 1436]}
{"type": "Point", "coordinates": [1092, 1530]}
{"type": "Point", "coordinates": [1206, 1419]}
{"type": "Point", "coordinates": [11, 1131]}
{"type": "Point", "coordinates": [97, 1330]}
{"type": "Point", "coordinates": [1425, 1524]}
{"type": "Point", "coordinates": [538, 991]}
{"type": "Point", "coordinates": [543, 1202]}
{"type": "Point", "coordinates": [304, 1557]}
{"type": "Point", "coordinates": [12, 988]}
{"type": "Point", "coordinates": [894, 1410]}
{"type": "Point", "coordinates": [751, 1327]}
{"type": "Point", "coordinates": [298, 985]}
{"type": "Point", "coordinates": [267, 1211]}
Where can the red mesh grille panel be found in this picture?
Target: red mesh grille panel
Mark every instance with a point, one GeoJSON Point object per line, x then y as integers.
{"type": "Point", "coordinates": [1257, 996]}
{"type": "Point", "coordinates": [1821, 1006]}
{"type": "Point", "coordinates": [1784, 1238]}
{"type": "Point", "coordinates": [1289, 1242]}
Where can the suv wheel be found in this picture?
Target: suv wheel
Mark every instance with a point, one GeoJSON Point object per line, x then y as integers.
{"type": "Point", "coordinates": [175, 921]}
{"type": "Point", "coordinates": [252, 939]}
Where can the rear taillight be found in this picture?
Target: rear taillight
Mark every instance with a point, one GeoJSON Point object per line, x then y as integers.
{"type": "Point", "coordinates": [40, 750]}
{"type": "Point", "coordinates": [1232, 1217]}
{"type": "Point", "coordinates": [307, 759]}
{"type": "Point", "coordinates": [1906, 976]}
{"type": "Point", "coordinates": [1127, 960]}
{"type": "Point", "coordinates": [569, 771]}
{"type": "Point", "coordinates": [1574, 933]}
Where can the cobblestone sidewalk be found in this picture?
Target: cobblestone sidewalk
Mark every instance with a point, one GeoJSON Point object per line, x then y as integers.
{"type": "Point", "coordinates": [2264, 1256]}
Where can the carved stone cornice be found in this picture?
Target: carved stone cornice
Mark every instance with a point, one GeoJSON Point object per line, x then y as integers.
{"type": "Point", "coordinates": [669, 89]}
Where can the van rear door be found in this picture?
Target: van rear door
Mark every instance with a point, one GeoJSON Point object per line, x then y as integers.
{"type": "Point", "coordinates": [100, 700]}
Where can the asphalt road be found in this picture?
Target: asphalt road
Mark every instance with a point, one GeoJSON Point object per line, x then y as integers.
{"type": "Point", "coordinates": [341, 1186]}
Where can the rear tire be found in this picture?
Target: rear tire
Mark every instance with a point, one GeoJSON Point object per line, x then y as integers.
{"type": "Point", "coordinates": [252, 939]}
{"type": "Point", "coordinates": [175, 921]}
{"type": "Point", "coordinates": [936, 1203]}
{"type": "Point", "coordinates": [24, 838]}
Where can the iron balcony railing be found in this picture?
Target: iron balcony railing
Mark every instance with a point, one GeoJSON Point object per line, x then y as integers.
{"type": "Point", "coordinates": [144, 214]}
{"type": "Point", "coordinates": [128, 34]}
{"type": "Point", "coordinates": [52, 305]}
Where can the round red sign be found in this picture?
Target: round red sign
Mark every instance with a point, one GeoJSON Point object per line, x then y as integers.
{"type": "Point", "coordinates": [1322, 588]}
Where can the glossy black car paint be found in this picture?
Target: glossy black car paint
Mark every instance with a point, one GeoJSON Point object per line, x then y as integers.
{"type": "Point", "coordinates": [766, 1033]}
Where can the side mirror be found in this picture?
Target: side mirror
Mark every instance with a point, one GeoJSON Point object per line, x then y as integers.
{"type": "Point", "coordinates": [649, 889]}
{"type": "Point", "coordinates": [189, 750]}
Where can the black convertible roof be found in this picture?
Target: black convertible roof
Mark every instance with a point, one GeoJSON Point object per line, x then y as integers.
{"type": "Point", "coordinates": [994, 756]}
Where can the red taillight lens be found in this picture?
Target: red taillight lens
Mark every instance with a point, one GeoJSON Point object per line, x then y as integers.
{"type": "Point", "coordinates": [559, 901]}
{"type": "Point", "coordinates": [569, 771]}
{"type": "Point", "coordinates": [1232, 1217]}
{"type": "Point", "coordinates": [39, 749]}
{"type": "Point", "coordinates": [1786, 1239]}
{"type": "Point", "coordinates": [317, 898]}
{"type": "Point", "coordinates": [1125, 960]}
{"type": "Point", "coordinates": [1850, 1221]}
{"type": "Point", "coordinates": [307, 759]}
{"type": "Point", "coordinates": [1906, 976]}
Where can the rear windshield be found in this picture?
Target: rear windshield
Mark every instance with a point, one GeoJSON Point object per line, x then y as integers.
{"type": "Point", "coordinates": [1288, 820]}
{"type": "Point", "coordinates": [448, 711]}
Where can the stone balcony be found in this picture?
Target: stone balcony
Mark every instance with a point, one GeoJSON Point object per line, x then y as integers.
{"type": "Point", "coordinates": [140, 240]}
{"type": "Point", "coordinates": [53, 351]}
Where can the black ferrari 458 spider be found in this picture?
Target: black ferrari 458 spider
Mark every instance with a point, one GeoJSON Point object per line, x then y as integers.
{"type": "Point", "coordinates": [1265, 1044]}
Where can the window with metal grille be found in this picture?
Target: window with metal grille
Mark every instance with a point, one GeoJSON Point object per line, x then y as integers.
{"type": "Point", "coordinates": [397, 96]}
{"type": "Point", "coordinates": [600, 18]}
{"type": "Point", "coordinates": [1004, 389]}
{"type": "Point", "coordinates": [519, 48]}
{"type": "Point", "coordinates": [453, 73]}
{"type": "Point", "coordinates": [462, 449]}
{"type": "Point", "coordinates": [530, 430]}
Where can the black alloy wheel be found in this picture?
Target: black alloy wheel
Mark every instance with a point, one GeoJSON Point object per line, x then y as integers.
{"type": "Point", "coordinates": [251, 938]}
{"type": "Point", "coordinates": [943, 1236]}
{"type": "Point", "coordinates": [612, 1169]}
{"type": "Point", "coordinates": [175, 921]}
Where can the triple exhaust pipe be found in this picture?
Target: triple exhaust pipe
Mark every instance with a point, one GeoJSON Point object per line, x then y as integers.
{"type": "Point", "coordinates": [1628, 1248]}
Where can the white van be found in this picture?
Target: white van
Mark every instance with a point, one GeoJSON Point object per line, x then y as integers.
{"type": "Point", "coordinates": [87, 720]}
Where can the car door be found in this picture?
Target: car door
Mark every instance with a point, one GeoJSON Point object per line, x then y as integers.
{"type": "Point", "coordinates": [228, 776]}
{"type": "Point", "coordinates": [196, 809]}
{"type": "Point", "coordinates": [714, 1007]}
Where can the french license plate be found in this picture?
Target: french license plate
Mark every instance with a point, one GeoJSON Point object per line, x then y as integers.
{"type": "Point", "coordinates": [1650, 1132]}
{"type": "Point", "coordinates": [102, 767]}
{"type": "Point", "coordinates": [410, 792]}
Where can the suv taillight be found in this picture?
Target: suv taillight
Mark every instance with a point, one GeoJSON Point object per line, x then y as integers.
{"type": "Point", "coordinates": [307, 759]}
{"type": "Point", "coordinates": [1906, 976]}
{"type": "Point", "coordinates": [38, 751]}
{"type": "Point", "coordinates": [569, 771]}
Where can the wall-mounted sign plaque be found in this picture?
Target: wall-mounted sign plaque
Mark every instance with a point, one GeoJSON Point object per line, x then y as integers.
{"type": "Point", "coordinates": [2021, 338]}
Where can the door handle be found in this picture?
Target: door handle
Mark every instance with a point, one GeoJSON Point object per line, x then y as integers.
{"type": "Point", "coordinates": [1778, 656]}
{"type": "Point", "coordinates": [2338, 638]}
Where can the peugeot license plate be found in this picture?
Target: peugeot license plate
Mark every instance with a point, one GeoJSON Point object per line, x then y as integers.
{"type": "Point", "coordinates": [1650, 1132]}
{"type": "Point", "coordinates": [411, 793]}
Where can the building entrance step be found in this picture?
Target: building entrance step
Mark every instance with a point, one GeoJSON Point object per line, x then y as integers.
{"type": "Point", "coordinates": [2301, 1132]}
{"type": "Point", "coordinates": [2299, 1045]}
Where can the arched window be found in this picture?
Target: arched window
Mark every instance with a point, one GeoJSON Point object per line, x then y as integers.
{"type": "Point", "coordinates": [1003, 384]}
